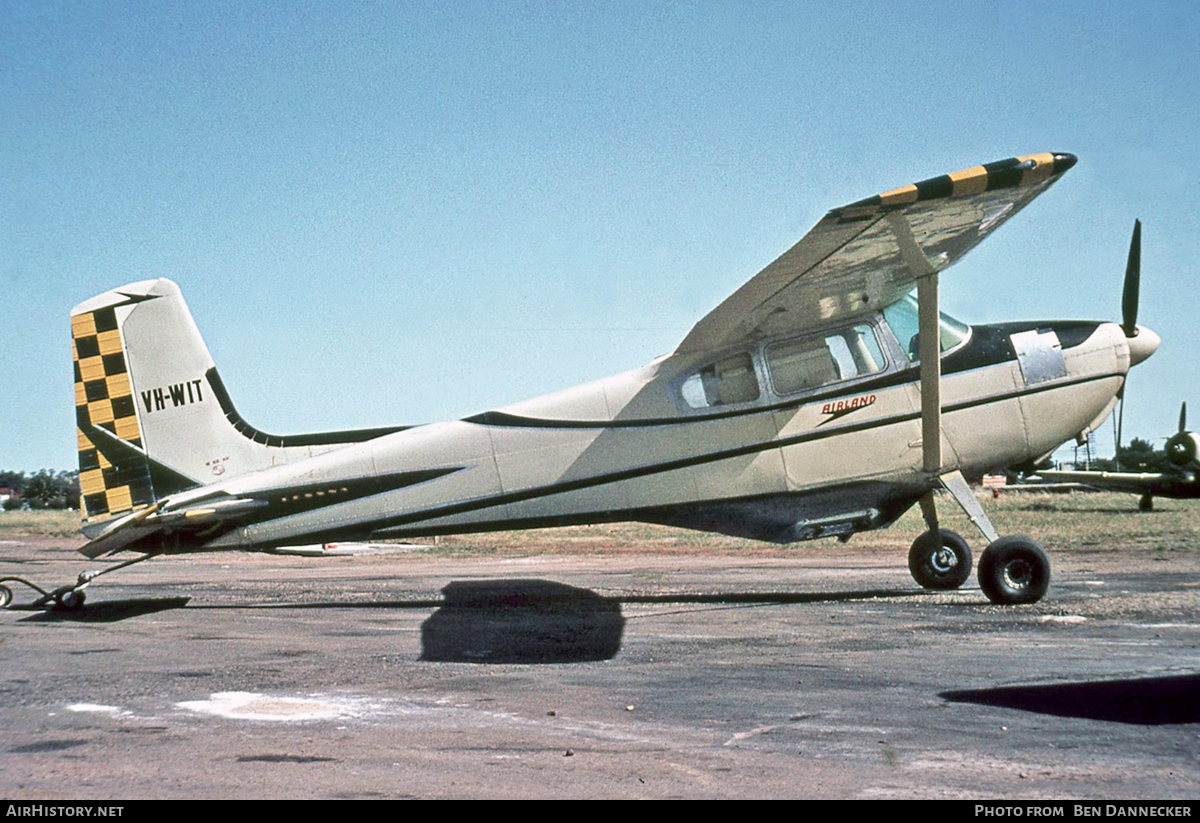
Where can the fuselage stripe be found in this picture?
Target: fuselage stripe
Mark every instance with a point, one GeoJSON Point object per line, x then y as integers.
{"type": "Point", "coordinates": [503, 498]}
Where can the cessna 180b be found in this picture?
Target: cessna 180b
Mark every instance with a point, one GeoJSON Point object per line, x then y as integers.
{"type": "Point", "coordinates": [819, 400]}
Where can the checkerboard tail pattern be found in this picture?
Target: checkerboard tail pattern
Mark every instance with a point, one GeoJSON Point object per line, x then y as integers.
{"type": "Point", "coordinates": [110, 484]}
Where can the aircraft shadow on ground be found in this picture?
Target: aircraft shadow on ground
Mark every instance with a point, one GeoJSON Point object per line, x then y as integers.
{"type": "Point", "coordinates": [539, 621]}
{"type": "Point", "coordinates": [109, 611]}
{"type": "Point", "coordinates": [521, 621]}
{"type": "Point", "coordinates": [498, 621]}
{"type": "Point", "coordinates": [1145, 701]}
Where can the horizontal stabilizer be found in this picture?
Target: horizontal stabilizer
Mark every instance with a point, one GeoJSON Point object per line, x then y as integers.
{"type": "Point", "coordinates": [192, 518]}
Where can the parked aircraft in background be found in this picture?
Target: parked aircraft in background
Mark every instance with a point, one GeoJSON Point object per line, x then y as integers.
{"type": "Point", "coordinates": [819, 400]}
{"type": "Point", "coordinates": [1179, 479]}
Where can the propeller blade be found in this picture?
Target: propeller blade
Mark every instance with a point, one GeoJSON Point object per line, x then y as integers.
{"type": "Point", "coordinates": [1133, 276]}
{"type": "Point", "coordinates": [1183, 417]}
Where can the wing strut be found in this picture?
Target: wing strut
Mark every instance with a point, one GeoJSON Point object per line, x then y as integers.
{"type": "Point", "coordinates": [931, 374]}
{"type": "Point", "coordinates": [926, 275]}
{"type": "Point", "coordinates": [929, 315]}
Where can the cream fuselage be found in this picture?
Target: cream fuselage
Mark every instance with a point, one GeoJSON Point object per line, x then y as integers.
{"type": "Point", "coordinates": [829, 461]}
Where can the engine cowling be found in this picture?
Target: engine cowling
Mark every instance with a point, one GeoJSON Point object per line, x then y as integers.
{"type": "Point", "coordinates": [1182, 448]}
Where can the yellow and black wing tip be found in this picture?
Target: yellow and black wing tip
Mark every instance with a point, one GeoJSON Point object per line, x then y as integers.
{"type": "Point", "coordinates": [1002, 174]}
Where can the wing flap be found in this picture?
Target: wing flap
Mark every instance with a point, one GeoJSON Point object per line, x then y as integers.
{"type": "Point", "coordinates": [853, 260]}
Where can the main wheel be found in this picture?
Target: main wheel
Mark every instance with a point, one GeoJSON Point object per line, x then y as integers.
{"type": "Point", "coordinates": [1146, 504]}
{"type": "Point", "coordinates": [1014, 569]}
{"type": "Point", "coordinates": [940, 560]}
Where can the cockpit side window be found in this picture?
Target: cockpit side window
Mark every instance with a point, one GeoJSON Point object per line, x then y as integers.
{"type": "Point", "coordinates": [810, 362]}
{"type": "Point", "coordinates": [902, 317]}
{"type": "Point", "coordinates": [729, 380]}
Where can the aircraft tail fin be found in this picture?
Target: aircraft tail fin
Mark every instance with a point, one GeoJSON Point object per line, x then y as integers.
{"type": "Point", "coordinates": [152, 415]}
{"type": "Point", "coordinates": [147, 421]}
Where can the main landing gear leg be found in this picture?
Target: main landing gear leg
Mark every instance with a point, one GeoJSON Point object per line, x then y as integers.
{"type": "Point", "coordinates": [1012, 569]}
{"type": "Point", "coordinates": [939, 559]}
{"type": "Point", "coordinates": [68, 597]}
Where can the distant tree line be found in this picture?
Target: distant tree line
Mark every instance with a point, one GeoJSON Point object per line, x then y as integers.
{"type": "Point", "coordinates": [1138, 456]}
{"type": "Point", "coordinates": [46, 489]}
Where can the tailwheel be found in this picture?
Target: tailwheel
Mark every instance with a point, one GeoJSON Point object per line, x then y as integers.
{"type": "Point", "coordinates": [940, 559]}
{"type": "Point", "coordinates": [1014, 569]}
{"type": "Point", "coordinates": [69, 600]}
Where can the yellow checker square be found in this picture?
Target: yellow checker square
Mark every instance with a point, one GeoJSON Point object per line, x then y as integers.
{"type": "Point", "coordinates": [83, 325]}
{"type": "Point", "coordinates": [119, 499]}
{"type": "Point", "coordinates": [109, 341]}
{"type": "Point", "coordinates": [127, 428]}
{"type": "Point", "coordinates": [91, 482]}
{"type": "Point", "coordinates": [82, 440]}
{"type": "Point", "coordinates": [91, 368]}
{"type": "Point", "coordinates": [80, 395]}
{"type": "Point", "coordinates": [100, 412]}
{"type": "Point", "coordinates": [118, 385]}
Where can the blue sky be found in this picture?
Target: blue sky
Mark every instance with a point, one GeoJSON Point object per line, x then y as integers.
{"type": "Point", "coordinates": [402, 212]}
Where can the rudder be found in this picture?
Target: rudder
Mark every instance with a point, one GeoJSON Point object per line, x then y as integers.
{"type": "Point", "coordinates": [148, 423]}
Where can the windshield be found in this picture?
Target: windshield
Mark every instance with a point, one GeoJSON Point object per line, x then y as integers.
{"type": "Point", "coordinates": [902, 317]}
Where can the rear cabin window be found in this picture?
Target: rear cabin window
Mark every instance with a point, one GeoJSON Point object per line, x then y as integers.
{"type": "Point", "coordinates": [811, 362]}
{"type": "Point", "coordinates": [727, 381]}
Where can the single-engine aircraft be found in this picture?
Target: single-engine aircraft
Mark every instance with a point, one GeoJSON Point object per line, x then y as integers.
{"type": "Point", "coordinates": [820, 399]}
{"type": "Point", "coordinates": [1180, 479]}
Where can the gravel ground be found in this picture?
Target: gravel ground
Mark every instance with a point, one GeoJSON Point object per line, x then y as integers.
{"type": "Point", "coordinates": [608, 662]}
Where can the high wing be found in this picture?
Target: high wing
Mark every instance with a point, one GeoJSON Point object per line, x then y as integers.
{"type": "Point", "coordinates": [870, 253]}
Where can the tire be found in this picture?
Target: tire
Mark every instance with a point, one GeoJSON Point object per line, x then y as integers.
{"type": "Point", "coordinates": [1014, 569]}
{"type": "Point", "coordinates": [940, 564]}
{"type": "Point", "coordinates": [70, 600]}
{"type": "Point", "coordinates": [1146, 504]}
{"type": "Point", "coordinates": [5, 597]}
